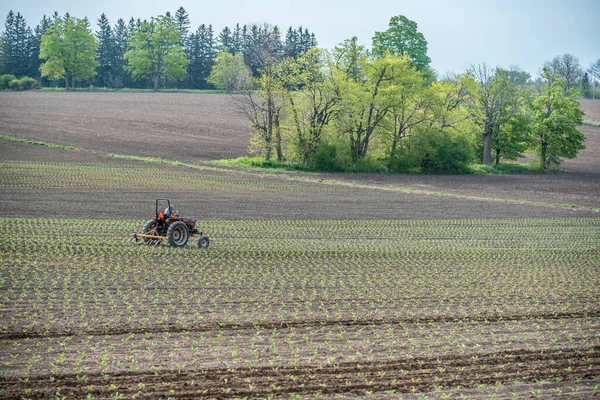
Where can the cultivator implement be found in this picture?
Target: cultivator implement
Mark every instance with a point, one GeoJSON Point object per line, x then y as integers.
{"type": "Point", "coordinates": [150, 240]}
{"type": "Point", "coordinates": [168, 225]}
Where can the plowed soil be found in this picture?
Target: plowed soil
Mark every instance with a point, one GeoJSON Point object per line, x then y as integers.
{"type": "Point", "coordinates": [315, 285]}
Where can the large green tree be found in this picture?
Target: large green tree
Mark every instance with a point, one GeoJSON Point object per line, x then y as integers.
{"type": "Point", "coordinates": [497, 100]}
{"type": "Point", "coordinates": [402, 37]}
{"type": "Point", "coordinates": [556, 117]}
{"type": "Point", "coordinates": [230, 73]}
{"type": "Point", "coordinates": [69, 49]}
{"type": "Point", "coordinates": [155, 52]}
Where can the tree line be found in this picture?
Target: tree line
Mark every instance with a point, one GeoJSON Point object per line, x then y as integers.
{"type": "Point", "coordinates": [351, 107]}
{"type": "Point", "coordinates": [64, 49]}
{"type": "Point", "coordinates": [354, 108]}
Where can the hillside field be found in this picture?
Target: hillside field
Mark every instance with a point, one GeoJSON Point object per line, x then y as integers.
{"type": "Point", "coordinates": [315, 285]}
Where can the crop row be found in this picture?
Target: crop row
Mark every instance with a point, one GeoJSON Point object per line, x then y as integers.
{"type": "Point", "coordinates": [62, 175]}
{"type": "Point", "coordinates": [78, 301]}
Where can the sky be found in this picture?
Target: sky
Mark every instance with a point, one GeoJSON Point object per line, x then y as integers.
{"type": "Point", "coordinates": [460, 33]}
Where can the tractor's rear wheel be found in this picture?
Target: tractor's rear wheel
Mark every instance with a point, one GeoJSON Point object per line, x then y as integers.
{"type": "Point", "coordinates": [178, 234]}
{"type": "Point", "coordinates": [203, 242]}
{"type": "Point", "coordinates": [148, 228]}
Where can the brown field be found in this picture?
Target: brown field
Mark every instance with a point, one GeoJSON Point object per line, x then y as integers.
{"type": "Point", "coordinates": [315, 285]}
{"type": "Point", "coordinates": [591, 108]}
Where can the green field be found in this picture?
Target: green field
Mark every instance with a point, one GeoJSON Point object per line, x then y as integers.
{"type": "Point", "coordinates": [84, 309]}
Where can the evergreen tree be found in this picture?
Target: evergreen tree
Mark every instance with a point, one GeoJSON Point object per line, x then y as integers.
{"type": "Point", "coordinates": [121, 36]}
{"type": "Point", "coordinates": [291, 46]}
{"type": "Point", "coordinates": [202, 56]}
{"type": "Point", "coordinates": [262, 42]}
{"type": "Point", "coordinates": [298, 41]}
{"type": "Point", "coordinates": [105, 52]}
{"type": "Point", "coordinates": [586, 90]}
{"type": "Point", "coordinates": [238, 39]}
{"type": "Point", "coordinates": [182, 20]}
{"type": "Point", "coordinates": [36, 39]}
{"type": "Point", "coordinates": [16, 45]}
{"type": "Point", "coordinates": [225, 39]}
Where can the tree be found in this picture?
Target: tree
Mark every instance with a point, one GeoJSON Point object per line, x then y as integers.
{"type": "Point", "coordinates": [311, 101]}
{"type": "Point", "coordinates": [225, 39]}
{"type": "Point", "coordinates": [121, 36]}
{"type": "Point", "coordinates": [566, 67]}
{"type": "Point", "coordinates": [68, 47]}
{"type": "Point", "coordinates": [586, 90]}
{"type": "Point", "coordinates": [595, 69]}
{"type": "Point", "coordinates": [402, 37]}
{"type": "Point", "coordinates": [556, 117]}
{"type": "Point", "coordinates": [201, 53]}
{"type": "Point", "coordinates": [155, 52]}
{"type": "Point", "coordinates": [371, 90]}
{"type": "Point", "coordinates": [36, 40]}
{"type": "Point", "coordinates": [238, 39]}
{"type": "Point", "coordinates": [261, 43]}
{"type": "Point", "coordinates": [498, 100]}
{"type": "Point", "coordinates": [514, 138]}
{"type": "Point", "coordinates": [263, 107]}
{"type": "Point", "coordinates": [230, 72]}
{"type": "Point", "coordinates": [105, 52]}
{"type": "Point", "coordinates": [182, 19]}
{"type": "Point", "coordinates": [15, 45]}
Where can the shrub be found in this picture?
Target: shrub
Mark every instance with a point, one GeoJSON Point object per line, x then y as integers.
{"type": "Point", "coordinates": [327, 159]}
{"type": "Point", "coordinates": [432, 150]}
{"type": "Point", "coordinates": [15, 84]}
{"type": "Point", "coordinates": [27, 83]}
{"type": "Point", "coordinates": [5, 80]}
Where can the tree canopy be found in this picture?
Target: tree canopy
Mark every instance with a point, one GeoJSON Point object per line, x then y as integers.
{"type": "Point", "coordinates": [155, 52]}
{"type": "Point", "coordinates": [402, 37]}
{"type": "Point", "coordinates": [69, 48]}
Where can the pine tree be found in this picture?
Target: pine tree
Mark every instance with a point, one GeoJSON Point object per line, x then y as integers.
{"type": "Point", "coordinates": [291, 43]}
{"type": "Point", "coordinates": [182, 19]}
{"type": "Point", "coordinates": [105, 52]}
{"type": "Point", "coordinates": [238, 39]}
{"type": "Point", "coordinates": [16, 45]}
{"type": "Point", "coordinates": [586, 90]}
{"type": "Point", "coordinates": [225, 39]}
{"type": "Point", "coordinates": [206, 54]}
{"type": "Point", "coordinates": [36, 39]}
{"type": "Point", "coordinates": [121, 36]}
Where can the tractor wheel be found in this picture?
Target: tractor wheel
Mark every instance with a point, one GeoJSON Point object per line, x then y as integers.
{"type": "Point", "coordinates": [203, 242]}
{"type": "Point", "coordinates": [148, 227]}
{"type": "Point", "coordinates": [178, 234]}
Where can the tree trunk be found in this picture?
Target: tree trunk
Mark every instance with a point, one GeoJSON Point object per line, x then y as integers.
{"type": "Point", "coordinates": [67, 77]}
{"type": "Point", "coordinates": [487, 145]}
{"type": "Point", "coordinates": [269, 131]}
{"type": "Point", "coordinates": [543, 148]}
{"type": "Point", "coordinates": [155, 79]}
{"type": "Point", "coordinates": [278, 137]}
{"type": "Point", "coordinates": [497, 157]}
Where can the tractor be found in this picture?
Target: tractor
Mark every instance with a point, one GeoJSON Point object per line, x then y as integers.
{"type": "Point", "coordinates": [168, 225]}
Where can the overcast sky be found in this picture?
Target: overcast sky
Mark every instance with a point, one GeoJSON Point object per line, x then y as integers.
{"type": "Point", "coordinates": [459, 32]}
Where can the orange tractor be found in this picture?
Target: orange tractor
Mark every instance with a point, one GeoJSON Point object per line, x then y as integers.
{"type": "Point", "coordinates": [168, 225]}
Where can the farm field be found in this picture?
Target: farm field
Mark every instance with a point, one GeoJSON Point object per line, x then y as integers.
{"type": "Point", "coordinates": [315, 285]}
{"type": "Point", "coordinates": [201, 128]}
{"type": "Point", "coordinates": [442, 307]}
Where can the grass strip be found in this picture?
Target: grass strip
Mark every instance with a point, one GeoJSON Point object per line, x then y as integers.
{"type": "Point", "coordinates": [37, 143]}
{"type": "Point", "coordinates": [127, 90]}
{"type": "Point", "coordinates": [307, 178]}
{"type": "Point", "coordinates": [591, 123]}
